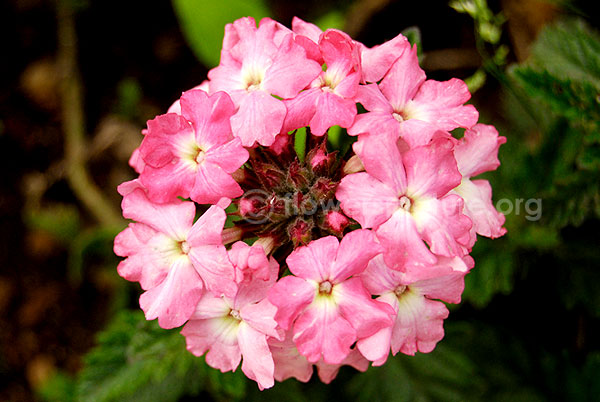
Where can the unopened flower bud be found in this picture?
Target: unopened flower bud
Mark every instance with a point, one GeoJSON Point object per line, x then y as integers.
{"type": "Point", "coordinates": [335, 222]}
{"type": "Point", "coordinates": [299, 232]}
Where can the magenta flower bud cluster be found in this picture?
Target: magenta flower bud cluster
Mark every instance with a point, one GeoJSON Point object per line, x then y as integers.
{"type": "Point", "coordinates": [326, 260]}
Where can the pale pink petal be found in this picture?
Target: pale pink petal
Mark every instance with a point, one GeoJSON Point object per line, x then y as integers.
{"type": "Point", "coordinates": [226, 77]}
{"type": "Point", "coordinates": [215, 269]}
{"type": "Point", "coordinates": [403, 80]}
{"type": "Point", "coordinates": [167, 183]}
{"type": "Point", "coordinates": [314, 260]}
{"type": "Point", "coordinates": [229, 156]}
{"type": "Point", "coordinates": [209, 116]}
{"type": "Point", "coordinates": [376, 347]}
{"type": "Point", "coordinates": [208, 228]}
{"type": "Point", "coordinates": [378, 278]}
{"type": "Point", "coordinates": [149, 255]}
{"type": "Point", "coordinates": [174, 300]}
{"type": "Point", "coordinates": [290, 295]}
{"type": "Point", "coordinates": [442, 283]}
{"type": "Point", "coordinates": [173, 219]}
{"type": "Point", "coordinates": [219, 337]}
{"type": "Point", "coordinates": [213, 183]}
{"type": "Point", "coordinates": [402, 242]}
{"type": "Point", "coordinates": [431, 170]}
{"type": "Point", "coordinates": [210, 306]}
{"type": "Point", "coordinates": [224, 357]}
{"type": "Point", "coordinates": [419, 325]}
{"type": "Point", "coordinates": [307, 29]}
{"type": "Point", "coordinates": [348, 87]}
{"type": "Point", "coordinates": [156, 148]}
{"type": "Point", "coordinates": [373, 100]}
{"type": "Point", "coordinates": [300, 109]}
{"type": "Point", "coordinates": [257, 363]}
{"type": "Point", "coordinates": [442, 103]}
{"type": "Point", "coordinates": [256, 287]}
{"type": "Point", "coordinates": [443, 225]}
{"type": "Point", "coordinates": [258, 119]}
{"type": "Point", "coordinates": [477, 152]}
{"type": "Point", "coordinates": [332, 110]}
{"type": "Point", "coordinates": [377, 60]}
{"type": "Point", "coordinates": [375, 123]}
{"type": "Point", "coordinates": [382, 160]}
{"type": "Point", "coordinates": [131, 243]}
{"type": "Point", "coordinates": [291, 71]}
{"type": "Point", "coordinates": [260, 317]}
{"type": "Point", "coordinates": [251, 262]}
{"type": "Point", "coordinates": [288, 362]}
{"type": "Point", "coordinates": [136, 161]}
{"type": "Point", "coordinates": [366, 199]}
{"type": "Point", "coordinates": [353, 254]}
{"type": "Point", "coordinates": [417, 132]}
{"type": "Point", "coordinates": [366, 315]}
{"type": "Point", "coordinates": [477, 194]}
{"type": "Point", "coordinates": [340, 53]}
{"type": "Point", "coordinates": [321, 332]}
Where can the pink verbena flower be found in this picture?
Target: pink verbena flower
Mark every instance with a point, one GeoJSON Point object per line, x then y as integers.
{"type": "Point", "coordinates": [329, 100]}
{"type": "Point", "coordinates": [406, 104]}
{"type": "Point", "coordinates": [172, 257]}
{"type": "Point", "coordinates": [327, 307]}
{"type": "Point", "coordinates": [193, 154]}
{"type": "Point", "coordinates": [413, 296]}
{"type": "Point", "coordinates": [257, 63]}
{"type": "Point", "coordinates": [477, 152]}
{"type": "Point", "coordinates": [404, 197]}
{"type": "Point", "coordinates": [298, 297]}
{"type": "Point", "coordinates": [229, 328]}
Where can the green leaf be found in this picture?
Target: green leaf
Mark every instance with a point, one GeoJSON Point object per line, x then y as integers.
{"type": "Point", "coordinates": [137, 360]}
{"type": "Point", "coordinates": [577, 101]}
{"type": "Point", "coordinates": [443, 375]}
{"type": "Point", "coordinates": [203, 23]}
{"type": "Point", "coordinates": [569, 49]}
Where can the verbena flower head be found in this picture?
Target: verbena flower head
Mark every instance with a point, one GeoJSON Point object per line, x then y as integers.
{"type": "Point", "coordinates": [284, 247]}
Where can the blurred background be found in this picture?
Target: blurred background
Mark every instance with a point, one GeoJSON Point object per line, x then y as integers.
{"type": "Point", "coordinates": [80, 78]}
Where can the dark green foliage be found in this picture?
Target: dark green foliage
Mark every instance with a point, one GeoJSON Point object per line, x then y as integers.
{"type": "Point", "coordinates": [137, 360]}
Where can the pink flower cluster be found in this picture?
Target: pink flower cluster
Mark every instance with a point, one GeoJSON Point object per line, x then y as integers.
{"type": "Point", "coordinates": [341, 259]}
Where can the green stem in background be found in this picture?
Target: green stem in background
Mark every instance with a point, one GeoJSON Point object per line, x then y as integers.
{"type": "Point", "coordinates": [73, 122]}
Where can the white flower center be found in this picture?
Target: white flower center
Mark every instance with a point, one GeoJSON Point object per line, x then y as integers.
{"type": "Point", "coordinates": [200, 157]}
{"type": "Point", "coordinates": [235, 314]}
{"type": "Point", "coordinates": [398, 117]}
{"type": "Point", "coordinates": [185, 247]}
{"type": "Point", "coordinates": [325, 287]}
{"type": "Point", "coordinates": [399, 290]}
{"type": "Point", "coordinates": [405, 203]}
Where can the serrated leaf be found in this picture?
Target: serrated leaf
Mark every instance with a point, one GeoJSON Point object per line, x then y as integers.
{"type": "Point", "coordinates": [569, 49]}
{"type": "Point", "coordinates": [203, 23]}
{"type": "Point", "coordinates": [571, 99]}
{"type": "Point", "coordinates": [136, 359]}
